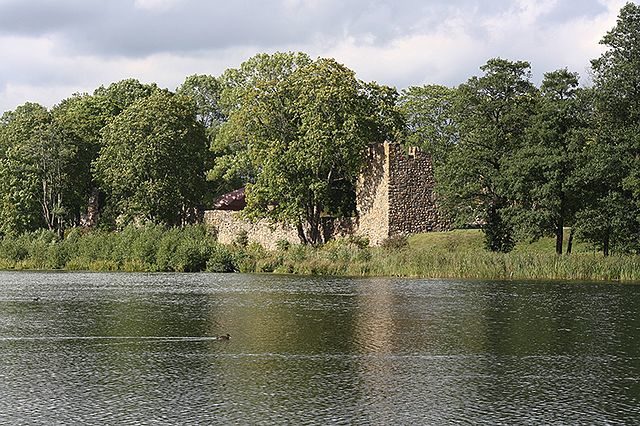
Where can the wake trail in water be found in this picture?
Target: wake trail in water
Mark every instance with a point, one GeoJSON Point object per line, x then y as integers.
{"type": "Point", "coordinates": [109, 338]}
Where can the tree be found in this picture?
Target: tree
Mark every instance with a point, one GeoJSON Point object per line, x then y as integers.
{"type": "Point", "coordinates": [205, 91]}
{"type": "Point", "coordinates": [152, 161]}
{"type": "Point", "coordinates": [611, 219]}
{"type": "Point", "coordinates": [80, 120]}
{"type": "Point", "coordinates": [430, 117]}
{"type": "Point", "coordinates": [494, 112]}
{"type": "Point", "coordinates": [121, 94]}
{"type": "Point", "coordinates": [544, 186]}
{"type": "Point", "coordinates": [232, 166]}
{"type": "Point", "coordinates": [36, 171]}
{"type": "Point", "coordinates": [306, 133]}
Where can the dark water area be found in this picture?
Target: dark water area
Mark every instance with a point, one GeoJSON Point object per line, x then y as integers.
{"type": "Point", "coordinates": [93, 348]}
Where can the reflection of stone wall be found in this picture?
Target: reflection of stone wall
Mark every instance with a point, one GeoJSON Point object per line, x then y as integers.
{"type": "Point", "coordinates": [229, 225]}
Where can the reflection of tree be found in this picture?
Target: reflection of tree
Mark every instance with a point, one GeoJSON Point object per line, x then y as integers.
{"type": "Point", "coordinates": [555, 346]}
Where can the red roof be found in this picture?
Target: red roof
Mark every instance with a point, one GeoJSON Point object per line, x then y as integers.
{"type": "Point", "coordinates": [234, 200]}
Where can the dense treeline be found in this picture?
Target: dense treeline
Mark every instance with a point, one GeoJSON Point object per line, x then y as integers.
{"type": "Point", "coordinates": [526, 161]}
{"type": "Point", "coordinates": [520, 161]}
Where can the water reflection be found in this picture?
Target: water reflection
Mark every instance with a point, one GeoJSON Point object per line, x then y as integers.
{"type": "Point", "coordinates": [142, 348]}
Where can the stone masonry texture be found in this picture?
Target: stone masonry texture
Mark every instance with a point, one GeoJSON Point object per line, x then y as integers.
{"type": "Point", "coordinates": [394, 196]}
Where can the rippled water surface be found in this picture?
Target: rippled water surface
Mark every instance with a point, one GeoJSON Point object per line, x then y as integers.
{"type": "Point", "coordinates": [142, 348]}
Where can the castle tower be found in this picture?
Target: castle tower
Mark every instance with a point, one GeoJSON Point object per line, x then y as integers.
{"type": "Point", "coordinates": [394, 195]}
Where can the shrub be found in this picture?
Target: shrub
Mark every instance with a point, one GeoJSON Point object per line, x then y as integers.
{"type": "Point", "coordinates": [220, 260]}
{"type": "Point", "coordinates": [242, 239]}
{"type": "Point", "coordinates": [358, 240]}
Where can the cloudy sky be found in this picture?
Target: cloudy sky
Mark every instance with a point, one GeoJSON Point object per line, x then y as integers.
{"type": "Point", "coordinates": [50, 49]}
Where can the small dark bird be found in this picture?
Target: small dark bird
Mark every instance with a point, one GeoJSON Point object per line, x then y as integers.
{"type": "Point", "coordinates": [36, 299]}
{"type": "Point", "coordinates": [224, 337]}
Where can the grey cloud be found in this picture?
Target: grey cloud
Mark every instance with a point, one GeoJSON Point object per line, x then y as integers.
{"type": "Point", "coordinates": [117, 27]}
{"type": "Point", "coordinates": [35, 18]}
{"type": "Point", "coordinates": [566, 10]}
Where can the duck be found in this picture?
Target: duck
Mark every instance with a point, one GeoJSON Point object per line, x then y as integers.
{"type": "Point", "coordinates": [224, 337]}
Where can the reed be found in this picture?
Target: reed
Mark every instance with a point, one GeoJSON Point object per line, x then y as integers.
{"type": "Point", "coordinates": [456, 254]}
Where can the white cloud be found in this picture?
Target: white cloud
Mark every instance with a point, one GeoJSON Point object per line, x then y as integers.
{"type": "Point", "coordinates": [396, 43]}
{"type": "Point", "coordinates": [155, 5]}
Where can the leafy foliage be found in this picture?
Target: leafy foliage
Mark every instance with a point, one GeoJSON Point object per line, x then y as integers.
{"type": "Point", "coordinates": [493, 112]}
{"type": "Point", "coordinates": [611, 218]}
{"type": "Point", "coordinates": [431, 123]}
{"type": "Point", "coordinates": [304, 127]}
{"type": "Point", "coordinates": [544, 181]}
{"type": "Point", "coordinates": [37, 173]}
{"type": "Point", "coordinates": [153, 159]}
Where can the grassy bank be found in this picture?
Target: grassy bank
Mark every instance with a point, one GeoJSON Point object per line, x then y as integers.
{"type": "Point", "coordinates": [456, 254]}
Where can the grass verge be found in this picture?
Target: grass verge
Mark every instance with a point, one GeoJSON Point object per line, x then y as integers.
{"type": "Point", "coordinates": [455, 254]}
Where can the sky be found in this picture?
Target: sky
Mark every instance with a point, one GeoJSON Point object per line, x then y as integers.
{"type": "Point", "coordinates": [50, 49]}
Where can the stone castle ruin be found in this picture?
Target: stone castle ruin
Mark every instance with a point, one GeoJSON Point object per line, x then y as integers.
{"type": "Point", "coordinates": [394, 196]}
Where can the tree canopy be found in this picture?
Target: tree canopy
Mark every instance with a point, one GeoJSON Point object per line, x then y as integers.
{"type": "Point", "coordinates": [152, 163]}
{"type": "Point", "coordinates": [303, 128]}
{"type": "Point", "coordinates": [517, 160]}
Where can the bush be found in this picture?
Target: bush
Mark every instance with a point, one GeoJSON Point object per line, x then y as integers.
{"type": "Point", "coordinates": [221, 260]}
{"type": "Point", "coordinates": [358, 240]}
{"type": "Point", "coordinates": [283, 245]}
{"type": "Point", "coordinates": [242, 239]}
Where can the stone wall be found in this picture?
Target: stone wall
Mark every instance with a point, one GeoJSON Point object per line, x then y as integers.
{"type": "Point", "coordinates": [412, 207]}
{"type": "Point", "coordinates": [372, 196]}
{"type": "Point", "coordinates": [229, 225]}
{"type": "Point", "coordinates": [395, 194]}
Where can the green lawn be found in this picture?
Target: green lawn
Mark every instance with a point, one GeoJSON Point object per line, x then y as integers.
{"type": "Point", "coordinates": [467, 240]}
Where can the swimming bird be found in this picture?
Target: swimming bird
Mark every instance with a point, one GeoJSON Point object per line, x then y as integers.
{"type": "Point", "coordinates": [224, 337]}
{"type": "Point", "coordinates": [36, 299]}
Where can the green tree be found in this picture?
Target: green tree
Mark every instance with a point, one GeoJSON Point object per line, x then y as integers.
{"type": "Point", "coordinates": [613, 173]}
{"type": "Point", "coordinates": [306, 134]}
{"type": "Point", "coordinates": [205, 91]}
{"type": "Point", "coordinates": [36, 173]}
{"type": "Point", "coordinates": [543, 185]}
{"type": "Point", "coordinates": [430, 116]}
{"type": "Point", "coordinates": [121, 94]}
{"type": "Point", "coordinates": [80, 120]}
{"type": "Point", "coordinates": [232, 167]}
{"type": "Point", "coordinates": [152, 160]}
{"type": "Point", "coordinates": [493, 112]}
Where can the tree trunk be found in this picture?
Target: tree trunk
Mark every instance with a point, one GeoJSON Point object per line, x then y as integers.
{"type": "Point", "coordinates": [309, 228]}
{"type": "Point", "coordinates": [59, 220]}
{"type": "Point", "coordinates": [90, 218]}
{"type": "Point", "coordinates": [570, 242]}
{"type": "Point", "coordinates": [559, 236]}
{"type": "Point", "coordinates": [605, 246]}
{"type": "Point", "coordinates": [301, 233]}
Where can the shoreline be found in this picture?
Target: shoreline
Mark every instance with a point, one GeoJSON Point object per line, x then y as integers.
{"type": "Point", "coordinates": [446, 255]}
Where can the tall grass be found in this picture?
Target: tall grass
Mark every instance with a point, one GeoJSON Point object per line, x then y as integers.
{"type": "Point", "coordinates": [408, 262]}
{"type": "Point", "coordinates": [151, 248]}
{"type": "Point", "coordinates": [457, 254]}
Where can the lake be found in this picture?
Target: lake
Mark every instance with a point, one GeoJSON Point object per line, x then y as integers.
{"type": "Point", "coordinates": [96, 348]}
